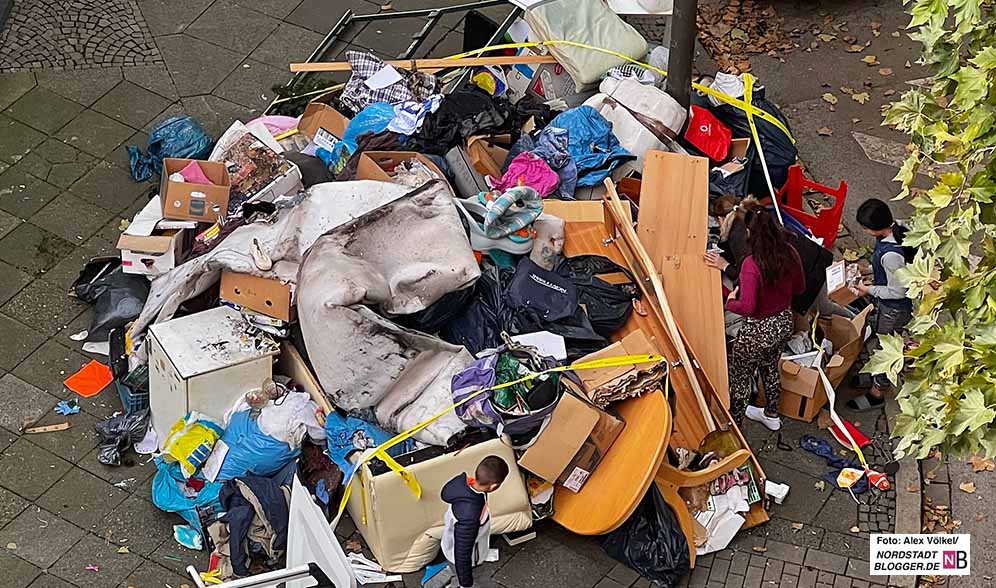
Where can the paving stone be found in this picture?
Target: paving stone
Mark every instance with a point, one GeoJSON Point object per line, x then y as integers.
{"type": "Point", "coordinates": [779, 529]}
{"type": "Point", "coordinates": [94, 133]}
{"type": "Point", "coordinates": [215, 114]}
{"type": "Point", "coordinates": [699, 577]}
{"type": "Point", "coordinates": [17, 139]}
{"type": "Point", "coordinates": [390, 38]}
{"type": "Point", "coordinates": [22, 194]}
{"type": "Point", "coordinates": [839, 513]}
{"type": "Point", "coordinates": [720, 569]}
{"type": "Point", "coordinates": [705, 561]}
{"type": "Point", "coordinates": [131, 104]}
{"type": "Point", "coordinates": [44, 110]}
{"type": "Point", "coordinates": [859, 583]}
{"type": "Point", "coordinates": [250, 85]}
{"type": "Point", "coordinates": [114, 566]}
{"type": "Point", "coordinates": [287, 44]}
{"type": "Point", "coordinates": [110, 187]}
{"type": "Point", "coordinates": [785, 552]}
{"type": "Point", "coordinates": [14, 85]}
{"type": "Point", "coordinates": [623, 574]}
{"type": "Point", "coordinates": [17, 343]}
{"type": "Point", "coordinates": [82, 86]}
{"type": "Point", "coordinates": [752, 579]}
{"type": "Point", "coordinates": [15, 572]}
{"type": "Point", "coordinates": [825, 577]}
{"type": "Point", "coordinates": [74, 443]}
{"type": "Point", "coordinates": [734, 581]}
{"type": "Point", "coordinates": [167, 554]}
{"type": "Point", "coordinates": [842, 582]}
{"type": "Point", "coordinates": [12, 282]}
{"type": "Point", "coordinates": [739, 562]}
{"type": "Point", "coordinates": [773, 571]}
{"type": "Point", "coordinates": [197, 67]}
{"type": "Point", "coordinates": [549, 563]}
{"type": "Point", "coordinates": [155, 78]}
{"type": "Point", "coordinates": [216, 24]}
{"type": "Point", "coordinates": [137, 526]}
{"type": "Point", "coordinates": [603, 583]}
{"type": "Point", "coordinates": [857, 568]}
{"type": "Point", "coordinates": [7, 220]}
{"type": "Point", "coordinates": [30, 470]}
{"type": "Point", "coordinates": [645, 583]}
{"type": "Point", "coordinates": [315, 15]}
{"type": "Point", "coordinates": [20, 402]}
{"type": "Point", "coordinates": [788, 581]}
{"type": "Point", "coordinates": [82, 499]}
{"type": "Point", "coordinates": [807, 578]}
{"type": "Point", "coordinates": [103, 404]}
{"type": "Point", "coordinates": [32, 249]}
{"type": "Point", "coordinates": [758, 561]}
{"type": "Point", "coordinates": [6, 440]}
{"type": "Point", "coordinates": [48, 366]}
{"type": "Point", "coordinates": [844, 544]}
{"type": "Point", "coordinates": [791, 570]}
{"type": "Point", "coordinates": [64, 273]}
{"type": "Point", "coordinates": [806, 500]}
{"type": "Point", "coordinates": [151, 574]}
{"type": "Point", "coordinates": [169, 17]}
{"type": "Point", "coordinates": [44, 306]}
{"type": "Point", "coordinates": [828, 562]}
{"type": "Point", "coordinates": [41, 537]}
{"type": "Point", "coordinates": [275, 8]}
{"type": "Point", "coordinates": [11, 505]}
{"type": "Point", "coordinates": [132, 471]}
{"type": "Point", "coordinates": [87, 218]}
{"type": "Point", "coordinates": [57, 163]}
{"type": "Point", "coordinates": [47, 580]}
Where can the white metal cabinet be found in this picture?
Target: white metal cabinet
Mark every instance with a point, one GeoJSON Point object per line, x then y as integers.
{"type": "Point", "coordinates": [202, 362]}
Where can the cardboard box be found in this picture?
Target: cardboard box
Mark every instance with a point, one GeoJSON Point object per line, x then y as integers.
{"type": "Point", "coordinates": [548, 81]}
{"type": "Point", "coordinates": [264, 295]}
{"type": "Point", "coordinates": [838, 288]}
{"type": "Point", "coordinates": [573, 444]}
{"type": "Point", "coordinates": [803, 394]}
{"type": "Point", "coordinates": [154, 254]}
{"type": "Point", "coordinates": [486, 157]}
{"type": "Point", "coordinates": [196, 202]}
{"type": "Point", "coordinates": [322, 116]}
{"type": "Point", "coordinates": [379, 165]}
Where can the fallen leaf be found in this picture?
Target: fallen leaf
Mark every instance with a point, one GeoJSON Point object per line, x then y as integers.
{"type": "Point", "coordinates": [846, 90]}
{"type": "Point", "coordinates": [850, 39]}
{"type": "Point", "coordinates": [829, 98]}
{"type": "Point", "coordinates": [353, 545]}
{"type": "Point", "coordinates": [124, 224]}
{"type": "Point", "coordinates": [824, 132]}
{"type": "Point", "coordinates": [875, 25]}
{"type": "Point", "coordinates": [855, 529]}
{"type": "Point", "coordinates": [123, 550]}
{"type": "Point", "coordinates": [759, 549]}
{"type": "Point", "coordinates": [387, 6]}
{"type": "Point", "coordinates": [12, 546]}
{"type": "Point", "coordinates": [821, 485]}
{"type": "Point", "coordinates": [855, 48]}
{"type": "Point", "coordinates": [885, 71]}
{"type": "Point", "coordinates": [876, 33]}
{"type": "Point", "coordinates": [932, 475]}
{"type": "Point", "coordinates": [738, 34]}
{"type": "Point", "coordinates": [896, 34]}
{"type": "Point", "coordinates": [967, 487]}
{"type": "Point", "coordinates": [870, 59]}
{"type": "Point", "coordinates": [826, 38]}
{"type": "Point", "coordinates": [913, 488]}
{"type": "Point", "coordinates": [978, 464]}
{"type": "Point", "coordinates": [888, 92]}
{"type": "Point", "coordinates": [980, 516]}
{"type": "Point", "coordinates": [797, 526]}
{"type": "Point", "coordinates": [855, 120]}
{"type": "Point", "coordinates": [860, 98]}
{"type": "Point", "coordinates": [908, 64]}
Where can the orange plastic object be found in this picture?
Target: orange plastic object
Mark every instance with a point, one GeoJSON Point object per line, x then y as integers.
{"type": "Point", "coordinates": [90, 379]}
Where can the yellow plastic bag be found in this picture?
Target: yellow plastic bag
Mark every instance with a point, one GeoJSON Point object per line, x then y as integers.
{"type": "Point", "coordinates": [190, 442]}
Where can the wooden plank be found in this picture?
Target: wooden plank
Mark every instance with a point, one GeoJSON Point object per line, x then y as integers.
{"type": "Point", "coordinates": [47, 428]}
{"type": "Point", "coordinates": [432, 64]}
{"type": "Point", "coordinates": [292, 364]}
{"type": "Point", "coordinates": [674, 201]}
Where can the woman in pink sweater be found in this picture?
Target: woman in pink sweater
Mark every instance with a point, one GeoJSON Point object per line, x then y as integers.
{"type": "Point", "coordinates": [769, 277]}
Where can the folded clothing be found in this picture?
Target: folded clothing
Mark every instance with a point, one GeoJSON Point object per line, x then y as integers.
{"type": "Point", "coordinates": [193, 173]}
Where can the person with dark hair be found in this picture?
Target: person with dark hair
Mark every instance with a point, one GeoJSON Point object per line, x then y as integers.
{"type": "Point", "coordinates": [893, 308]}
{"type": "Point", "coordinates": [769, 277]}
{"type": "Point", "coordinates": [467, 524]}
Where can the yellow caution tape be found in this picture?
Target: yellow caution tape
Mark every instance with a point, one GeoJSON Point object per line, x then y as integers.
{"type": "Point", "coordinates": [211, 577]}
{"type": "Point", "coordinates": [380, 451]}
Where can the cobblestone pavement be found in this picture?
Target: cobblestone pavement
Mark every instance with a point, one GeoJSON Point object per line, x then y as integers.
{"type": "Point", "coordinates": [98, 76]}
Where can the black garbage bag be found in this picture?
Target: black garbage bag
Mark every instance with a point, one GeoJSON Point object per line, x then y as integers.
{"type": "Point", "coordinates": [651, 542]}
{"type": "Point", "coordinates": [439, 313]}
{"type": "Point", "coordinates": [779, 152]}
{"type": "Point", "coordinates": [608, 305]}
{"type": "Point", "coordinates": [118, 433]}
{"type": "Point", "coordinates": [117, 297]}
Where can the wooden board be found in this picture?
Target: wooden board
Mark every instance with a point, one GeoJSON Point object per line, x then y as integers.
{"type": "Point", "coordinates": [432, 64]}
{"type": "Point", "coordinates": [674, 200]}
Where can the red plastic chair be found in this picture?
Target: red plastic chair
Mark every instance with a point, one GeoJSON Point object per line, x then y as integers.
{"type": "Point", "coordinates": [825, 223]}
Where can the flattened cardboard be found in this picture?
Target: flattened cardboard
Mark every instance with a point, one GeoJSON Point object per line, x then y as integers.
{"type": "Point", "coordinates": [598, 443]}
{"type": "Point", "coordinates": [264, 295]}
{"type": "Point", "coordinates": [322, 116]}
{"type": "Point", "coordinates": [572, 422]}
{"type": "Point", "coordinates": [151, 255]}
{"type": "Point", "coordinates": [486, 157]}
{"type": "Point", "coordinates": [634, 343]}
{"type": "Point", "coordinates": [837, 288]}
{"type": "Point", "coordinates": [196, 202]}
{"type": "Point", "coordinates": [380, 165]}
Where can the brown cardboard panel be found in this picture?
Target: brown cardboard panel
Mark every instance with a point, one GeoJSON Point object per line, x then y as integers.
{"type": "Point", "coordinates": [264, 295]}
{"type": "Point", "coordinates": [196, 202]}
{"type": "Point", "coordinates": [322, 116]}
{"type": "Point", "coordinates": [594, 448]}
{"type": "Point", "coordinates": [487, 158]}
{"type": "Point", "coordinates": [739, 147]}
{"type": "Point", "coordinates": [154, 254]}
{"type": "Point", "coordinates": [558, 444]}
{"type": "Point", "coordinates": [379, 165]}
{"type": "Point", "coordinates": [634, 343]}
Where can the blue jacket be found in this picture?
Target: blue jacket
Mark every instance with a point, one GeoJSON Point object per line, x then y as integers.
{"type": "Point", "coordinates": [594, 148]}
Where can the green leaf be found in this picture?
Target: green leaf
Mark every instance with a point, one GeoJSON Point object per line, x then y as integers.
{"type": "Point", "coordinates": [949, 357]}
{"type": "Point", "coordinates": [973, 85]}
{"type": "Point", "coordinates": [888, 359]}
{"type": "Point", "coordinates": [971, 413]}
{"type": "Point", "coordinates": [985, 59]}
{"type": "Point", "coordinates": [954, 251]}
{"type": "Point", "coordinates": [924, 11]}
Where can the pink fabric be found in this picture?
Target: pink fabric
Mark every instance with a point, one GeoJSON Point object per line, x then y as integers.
{"type": "Point", "coordinates": [533, 171]}
{"type": "Point", "coordinates": [277, 124]}
{"type": "Point", "coordinates": [193, 174]}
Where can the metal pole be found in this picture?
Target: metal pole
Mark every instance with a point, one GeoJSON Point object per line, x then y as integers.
{"type": "Point", "coordinates": [682, 51]}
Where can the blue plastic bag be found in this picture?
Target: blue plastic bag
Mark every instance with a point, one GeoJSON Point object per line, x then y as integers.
{"type": "Point", "coordinates": [179, 136]}
{"type": "Point", "coordinates": [168, 495]}
{"type": "Point", "coordinates": [346, 434]}
{"type": "Point", "coordinates": [251, 451]}
{"type": "Point", "coordinates": [372, 119]}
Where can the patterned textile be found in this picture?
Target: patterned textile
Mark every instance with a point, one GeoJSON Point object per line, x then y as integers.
{"type": "Point", "coordinates": [357, 95]}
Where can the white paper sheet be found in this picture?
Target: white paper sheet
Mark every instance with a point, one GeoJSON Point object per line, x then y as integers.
{"type": "Point", "coordinates": [549, 344]}
{"type": "Point", "coordinates": [384, 78]}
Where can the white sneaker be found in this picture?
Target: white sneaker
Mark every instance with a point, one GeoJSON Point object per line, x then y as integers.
{"type": "Point", "coordinates": [756, 413]}
{"type": "Point", "coordinates": [260, 258]}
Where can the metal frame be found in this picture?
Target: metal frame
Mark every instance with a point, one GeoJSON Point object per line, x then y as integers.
{"type": "Point", "coordinates": [350, 18]}
{"type": "Point", "coordinates": [269, 579]}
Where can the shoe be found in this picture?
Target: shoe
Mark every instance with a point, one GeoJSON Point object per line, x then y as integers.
{"type": "Point", "coordinates": [756, 413]}
{"type": "Point", "coordinates": [260, 258]}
